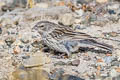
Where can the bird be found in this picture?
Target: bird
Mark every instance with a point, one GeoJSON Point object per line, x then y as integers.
{"type": "Point", "coordinates": [65, 39]}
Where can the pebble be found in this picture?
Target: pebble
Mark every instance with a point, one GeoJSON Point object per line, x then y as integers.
{"type": "Point", "coordinates": [115, 63]}
{"type": "Point", "coordinates": [66, 19]}
{"type": "Point", "coordinates": [38, 59]}
{"type": "Point", "coordinates": [111, 12]}
{"type": "Point", "coordinates": [80, 12]}
{"type": "Point", "coordinates": [75, 62]}
{"type": "Point", "coordinates": [104, 74]}
{"type": "Point", "coordinates": [16, 50]}
{"type": "Point", "coordinates": [27, 48]}
{"type": "Point", "coordinates": [93, 17]}
{"type": "Point", "coordinates": [9, 41]}
{"type": "Point", "coordinates": [113, 73]}
{"type": "Point", "coordinates": [113, 6]}
{"type": "Point", "coordinates": [83, 1]}
{"type": "Point", "coordinates": [41, 5]}
{"type": "Point", "coordinates": [56, 73]}
{"type": "Point", "coordinates": [18, 43]}
{"type": "Point", "coordinates": [101, 1]}
{"type": "Point", "coordinates": [25, 40]}
{"type": "Point", "coordinates": [80, 27]}
{"type": "Point", "coordinates": [113, 34]}
{"type": "Point", "coordinates": [101, 64]}
{"type": "Point", "coordinates": [6, 8]}
{"type": "Point", "coordinates": [108, 59]}
{"type": "Point", "coordinates": [37, 44]}
{"type": "Point", "coordinates": [61, 63]}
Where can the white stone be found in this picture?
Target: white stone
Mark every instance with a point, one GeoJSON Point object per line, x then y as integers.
{"type": "Point", "coordinates": [113, 73]}
{"type": "Point", "coordinates": [101, 1]}
{"type": "Point", "coordinates": [80, 12]}
{"type": "Point", "coordinates": [66, 19]}
{"type": "Point", "coordinates": [42, 5]}
{"type": "Point", "coordinates": [113, 6]}
{"type": "Point", "coordinates": [38, 59]}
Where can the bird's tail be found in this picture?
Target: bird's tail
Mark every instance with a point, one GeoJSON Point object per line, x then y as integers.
{"type": "Point", "coordinates": [96, 45]}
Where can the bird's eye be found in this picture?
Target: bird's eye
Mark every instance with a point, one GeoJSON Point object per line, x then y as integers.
{"type": "Point", "coordinates": [41, 26]}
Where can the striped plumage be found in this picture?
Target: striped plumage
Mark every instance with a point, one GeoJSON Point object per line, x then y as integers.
{"type": "Point", "coordinates": [65, 39]}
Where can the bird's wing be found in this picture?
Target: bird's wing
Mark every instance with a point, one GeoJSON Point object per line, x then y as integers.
{"type": "Point", "coordinates": [67, 35]}
{"type": "Point", "coordinates": [64, 34]}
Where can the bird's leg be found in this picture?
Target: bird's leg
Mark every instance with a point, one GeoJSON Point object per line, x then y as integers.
{"type": "Point", "coordinates": [64, 55]}
{"type": "Point", "coordinates": [71, 46]}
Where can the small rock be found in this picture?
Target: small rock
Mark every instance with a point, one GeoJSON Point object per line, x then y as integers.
{"type": "Point", "coordinates": [113, 34]}
{"type": "Point", "coordinates": [25, 38]}
{"type": "Point", "coordinates": [61, 63]}
{"type": "Point", "coordinates": [59, 3]}
{"type": "Point", "coordinates": [26, 48]}
{"type": "Point", "coordinates": [80, 12]}
{"type": "Point", "coordinates": [6, 8]}
{"type": "Point", "coordinates": [113, 73]}
{"type": "Point", "coordinates": [80, 27]}
{"type": "Point", "coordinates": [83, 1]}
{"type": "Point", "coordinates": [41, 5]}
{"type": "Point", "coordinates": [69, 63]}
{"type": "Point", "coordinates": [113, 6]}
{"type": "Point", "coordinates": [17, 50]}
{"type": "Point", "coordinates": [77, 21]}
{"type": "Point", "coordinates": [76, 62]}
{"type": "Point", "coordinates": [101, 64]}
{"type": "Point", "coordinates": [26, 57]}
{"type": "Point", "coordinates": [108, 59]}
{"type": "Point", "coordinates": [9, 41]}
{"type": "Point", "coordinates": [66, 19]}
{"type": "Point", "coordinates": [37, 44]}
{"type": "Point", "coordinates": [101, 1]}
{"type": "Point", "coordinates": [115, 63]}
{"type": "Point", "coordinates": [104, 74]}
{"type": "Point", "coordinates": [117, 69]}
{"type": "Point", "coordinates": [56, 73]}
{"type": "Point", "coordinates": [37, 59]}
{"type": "Point", "coordinates": [18, 43]}
{"type": "Point", "coordinates": [111, 12]}
{"type": "Point", "coordinates": [93, 17]}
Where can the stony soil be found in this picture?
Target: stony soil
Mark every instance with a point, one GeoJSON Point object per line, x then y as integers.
{"type": "Point", "coordinates": [24, 57]}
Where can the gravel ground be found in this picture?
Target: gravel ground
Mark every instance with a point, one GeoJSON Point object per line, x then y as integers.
{"type": "Point", "coordinates": [24, 57]}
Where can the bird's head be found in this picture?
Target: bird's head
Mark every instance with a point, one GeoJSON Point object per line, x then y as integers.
{"type": "Point", "coordinates": [43, 27]}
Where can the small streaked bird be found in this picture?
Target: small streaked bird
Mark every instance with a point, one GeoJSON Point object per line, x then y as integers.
{"type": "Point", "coordinates": [65, 39]}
